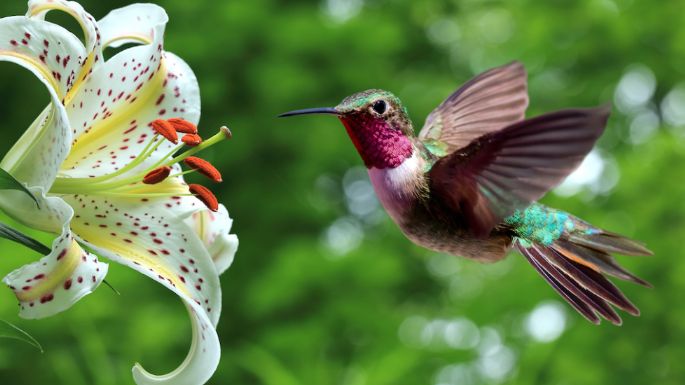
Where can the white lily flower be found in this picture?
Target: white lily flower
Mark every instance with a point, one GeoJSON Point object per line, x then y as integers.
{"type": "Point", "coordinates": [85, 159]}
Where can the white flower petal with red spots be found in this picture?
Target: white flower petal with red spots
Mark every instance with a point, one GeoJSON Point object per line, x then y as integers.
{"type": "Point", "coordinates": [59, 279]}
{"type": "Point", "coordinates": [39, 8]}
{"type": "Point", "coordinates": [36, 45]}
{"type": "Point", "coordinates": [134, 23]}
{"type": "Point", "coordinates": [214, 228]}
{"type": "Point", "coordinates": [148, 235]}
{"type": "Point", "coordinates": [89, 151]}
{"type": "Point", "coordinates": [112, 117]}
{"type": "Point", "coordinates": [48, 50]}
{"type": "Point", "coordinates": [152, 239]}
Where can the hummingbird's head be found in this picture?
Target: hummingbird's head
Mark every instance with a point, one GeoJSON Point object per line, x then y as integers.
{"type": "Point", "coordinates": [378, 125]}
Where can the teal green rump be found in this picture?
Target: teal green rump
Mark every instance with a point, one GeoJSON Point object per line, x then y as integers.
{"type": "Point", "coordinates": [540, 224]}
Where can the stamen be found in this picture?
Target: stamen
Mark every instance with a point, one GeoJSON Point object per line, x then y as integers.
{"type": "Point", "coordinates": [223, 134]}
{"type": "Point", "coordinates": [135, 181]}
{"type": "Point", "coordinates": [191, 140]}
{"type": "Point", "coordinates": [182, 125]}
{"type": "Point", "coordinates": [165, 129]}
{"type": "Point", "coordinates": [203, 167]}
{"type": "Point", "coordinates": [205, 196]}
{"type": "Point", "coordinates": [157, 175]}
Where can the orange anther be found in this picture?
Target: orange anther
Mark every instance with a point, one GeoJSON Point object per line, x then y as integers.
{"type": "Point", "coordinates": [191, 140]}
{"type": "Point", "coordinates": [203, 167]}
{"type": "Point", "coordinates": [205, 196]}
{"type": "Point", "coordinates": [157, 175]}
{"type": "Point", "coordinates": [165, 129]}
{"type": "Point", "coordinates": [182, 125]}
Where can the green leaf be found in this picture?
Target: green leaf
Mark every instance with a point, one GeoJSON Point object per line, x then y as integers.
{"type": "Point", "coordinates": [13, 332]}
{"type": "Point", "coordinates": [23, 239]}
{"type": "Point", "coordinates": [8, 182]}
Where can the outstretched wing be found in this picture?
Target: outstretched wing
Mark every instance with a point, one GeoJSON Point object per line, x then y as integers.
{"type": "Point", "coordinates": [510, 168]}
{"type": "Point", "coordinates": [487, 103]}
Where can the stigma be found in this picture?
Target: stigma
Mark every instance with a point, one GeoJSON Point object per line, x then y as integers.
{"type": "Point", "coordinates": [146, 176]}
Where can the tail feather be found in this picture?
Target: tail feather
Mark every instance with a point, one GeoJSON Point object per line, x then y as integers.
{"type": "Point", "coordinates": [597, 260]}
{"type": "Point", "coordinates": [574, 257]}
{"type": "Point", "coordinates": [575, 264]}
{"type": "Point", "coordinates": [597, 285]}
{"type": "Point", "coordinates": [610, 242]}
{"type": "Point", "coordinates": [586, 303]}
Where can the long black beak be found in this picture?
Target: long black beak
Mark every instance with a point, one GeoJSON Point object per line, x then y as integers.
{"type": "Point", "coordinates": [306, 111]}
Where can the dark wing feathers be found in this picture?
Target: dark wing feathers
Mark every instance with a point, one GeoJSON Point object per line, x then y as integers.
{"type": "Point", "coordinates": [510, 168]}
{"type": "Point", "coordinates": [486, 103]}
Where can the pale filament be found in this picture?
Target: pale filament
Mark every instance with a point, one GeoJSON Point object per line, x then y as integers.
{"type": "Point", "coordinates": [131, 183]}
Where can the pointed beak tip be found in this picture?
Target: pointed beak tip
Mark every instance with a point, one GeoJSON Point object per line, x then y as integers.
{"type": "Point", "coordinates": [307, 111]}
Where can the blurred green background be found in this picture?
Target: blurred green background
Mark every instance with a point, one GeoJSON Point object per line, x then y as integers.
{"type": "Point", "coordinates": [324, 288]}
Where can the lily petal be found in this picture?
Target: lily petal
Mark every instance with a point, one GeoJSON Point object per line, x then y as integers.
{"type": "Point", "coordinates": [150, 237]}
{"type": "Point", "coordinates": [39, 8]}
{"type": "Point", "coordinates": [41, 47]}
{"type": "Point", "coordinates": [201, 361]}
{"type": "Point", "coordinates": [59, 279]}
{"type": "Point", "coordinates": [154, 240]}
{"type": "Point", "coordinates": [48, 50]}
{"type": "Point", "coordinates": [134, 23]}
{"type": "Point", "coordinates": [214, 228]}
{"type": "Point", "coordinates": [112, 117]}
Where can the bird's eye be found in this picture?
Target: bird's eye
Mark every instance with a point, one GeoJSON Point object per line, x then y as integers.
{"type": "Point", "coordinates": [380, 107]}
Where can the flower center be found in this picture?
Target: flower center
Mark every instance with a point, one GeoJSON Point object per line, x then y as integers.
{"type": "Point", "coordinates": [132, 180]}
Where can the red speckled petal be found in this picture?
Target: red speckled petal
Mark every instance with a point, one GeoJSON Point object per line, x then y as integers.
{"type": "Point", "coordinates": [151, 237]}
{"type": "Point", "coordinates": [39, 8]}
{"type": "Point", "coordinates": [48, 50]}
{"type": "Point", "coordinates": [35, 45]}
{"type": "Point", "coordinates": [134, 23]}
{"type": "Point", "coordinates": [214, 228]}
{"type": "Point", "coordinates": [111, 119]}
{"type": "Point", "coordinates": [59, 279]}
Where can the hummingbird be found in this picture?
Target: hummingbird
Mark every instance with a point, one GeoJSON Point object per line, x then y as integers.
{"type": "Point", "coordinates": [468, 183]}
